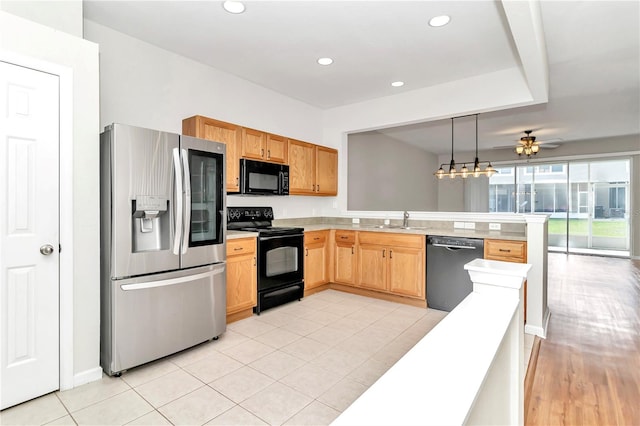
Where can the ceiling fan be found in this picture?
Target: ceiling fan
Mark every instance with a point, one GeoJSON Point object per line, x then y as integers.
{"type": "Point", "coordinates": [529, 145]}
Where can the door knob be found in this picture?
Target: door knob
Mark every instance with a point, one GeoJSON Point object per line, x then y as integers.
{"type": "Point", "coordinates": [46, 249]}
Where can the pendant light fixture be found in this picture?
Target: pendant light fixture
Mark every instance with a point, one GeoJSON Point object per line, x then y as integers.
{"type": "Point", "coordinates": [464, 171]}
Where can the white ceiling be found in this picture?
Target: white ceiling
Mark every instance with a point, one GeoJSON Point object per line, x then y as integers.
{"type": "Point", "coordinates": [593, 51]}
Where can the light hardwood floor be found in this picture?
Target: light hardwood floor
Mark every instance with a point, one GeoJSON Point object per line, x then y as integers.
{"type": "Point", "coordinates": [588, 370]}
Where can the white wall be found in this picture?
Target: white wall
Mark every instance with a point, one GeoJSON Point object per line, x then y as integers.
{"type": "Point", "coordinates": [386, 174]}
{"type": "Point", "coordinates": [146, 86]}
{"type": "Point", "coordinates": [63, 15]}
{"type": "Point", "coordinates": [43, 43]}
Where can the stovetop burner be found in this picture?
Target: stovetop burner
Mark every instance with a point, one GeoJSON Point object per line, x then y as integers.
{"type": "Point", "coordinates": [257, 219]}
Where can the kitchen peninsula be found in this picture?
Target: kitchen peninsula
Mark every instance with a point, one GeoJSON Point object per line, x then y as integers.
{"type": "Point", "coordinates": [342, 239]}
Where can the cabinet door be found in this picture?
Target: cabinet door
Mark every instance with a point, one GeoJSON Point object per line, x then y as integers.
{"type": "Point", "coordinates": [326, 171]}
{"type": "Point", "coordinates": [253, 144]}
{"type": "Point", "coordinates": [241, 283]}
{"type": "Point", "coordinates": [219, 131]}
{"type": "Point", "coordinates": [406, 271]}
{"type": "Point", "coordinates": [277, 149]}
{"type": "Point", "coordinates": [302, 168]}
{"type": "Point", "coordinates": [345, 264]}
{"type": "Point", "coordinates": [372, 267]}
{"type": "Point", "coordinates": [315, 265]}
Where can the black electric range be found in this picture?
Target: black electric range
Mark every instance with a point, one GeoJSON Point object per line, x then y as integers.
{"type": "Point", "coordinates": [280, 261]}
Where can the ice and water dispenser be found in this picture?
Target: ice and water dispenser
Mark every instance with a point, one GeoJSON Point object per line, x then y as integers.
{"type": "Point", "coordinates": [151, 223]}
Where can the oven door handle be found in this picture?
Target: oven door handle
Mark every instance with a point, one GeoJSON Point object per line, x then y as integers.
{"type": "Point", "coordinates": [280, 236]}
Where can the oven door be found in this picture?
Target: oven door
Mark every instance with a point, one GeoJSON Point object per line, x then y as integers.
{"type": "Point", "coordinates": [280, 261]}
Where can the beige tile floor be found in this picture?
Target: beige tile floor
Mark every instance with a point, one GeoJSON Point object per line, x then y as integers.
{"type": "Point", "coordinates": [301, 363]}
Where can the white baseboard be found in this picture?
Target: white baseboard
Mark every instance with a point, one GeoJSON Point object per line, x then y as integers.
{"type": "Point", "coordinates": [539, 331]}
{"type": "Point", "coordinates": [87, 376]}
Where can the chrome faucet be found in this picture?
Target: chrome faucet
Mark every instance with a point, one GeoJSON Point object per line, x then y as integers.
{"type": "Point", "coordinates": [405, 222]}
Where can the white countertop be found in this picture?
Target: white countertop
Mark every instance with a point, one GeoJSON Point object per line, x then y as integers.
{"type": "Point", "coordinates": [437, 381]}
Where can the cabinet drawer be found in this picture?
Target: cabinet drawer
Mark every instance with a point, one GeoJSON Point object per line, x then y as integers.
{"type": "Point", "coordinates": [347, 237]}
{"type": "Point", "coordinates": [315, 237]}
{"type": "Point", "coordinates": [515, 251]}
{"type": "Point", "coordinates": [389, 239]}
{"type": "Point", "coordinates": [241, 246]}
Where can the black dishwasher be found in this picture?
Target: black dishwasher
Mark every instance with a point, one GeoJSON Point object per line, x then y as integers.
{"type": "Point", "coordinates": [447, 281]}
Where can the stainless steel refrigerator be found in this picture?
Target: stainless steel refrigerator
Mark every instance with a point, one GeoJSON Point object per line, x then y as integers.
{"type": "Point", "coordinates": [163, 250]}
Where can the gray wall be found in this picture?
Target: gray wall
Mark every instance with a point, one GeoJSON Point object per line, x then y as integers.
{"type": "Point", "coordinates": [386, 174]}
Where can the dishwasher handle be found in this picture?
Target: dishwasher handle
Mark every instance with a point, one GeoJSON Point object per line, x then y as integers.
{"type": "Point", "coordinates": [453, 248]}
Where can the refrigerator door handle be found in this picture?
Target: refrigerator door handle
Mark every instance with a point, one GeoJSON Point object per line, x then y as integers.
{"type": "Point", "coordinates": [178, 219]}
{"type": "Point", "coordinates": [171, 281]}
{"type": "Point", "coordinates": [187, 201]}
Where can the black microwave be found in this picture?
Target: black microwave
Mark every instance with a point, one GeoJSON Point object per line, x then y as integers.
{"type": "Point", "coordinates": [262, 178]}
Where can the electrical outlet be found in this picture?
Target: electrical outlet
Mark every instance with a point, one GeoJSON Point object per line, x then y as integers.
{"type": "Point", "coordinates": [459, 225]}
{"type": "Point", "coordinates": [494, 226]}
{"type": "Point", "coordinates": [355, 220]}
{"type": "Point", "coordinates": [469, 225]}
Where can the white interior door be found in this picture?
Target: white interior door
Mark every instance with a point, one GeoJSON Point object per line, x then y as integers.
{"type": "Point", "coordinates": [29, 233]}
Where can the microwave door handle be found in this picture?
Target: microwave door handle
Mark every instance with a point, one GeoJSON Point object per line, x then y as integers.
{"type": "Point", "coordinates": [187, 201]}
{"type": "Point", "coordinates": [281, 186]}
{"type": "Point", "coordinates": [178, 201]}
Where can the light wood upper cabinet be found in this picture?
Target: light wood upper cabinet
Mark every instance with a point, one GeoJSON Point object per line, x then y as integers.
{"type": "Point", "coordinates": [254, 144]}
{"type": "Point", "coordinates": [313, 169]}
{"type": "Point", "coordinates": [393, 263]}
{"type": "Point", "coordinates": [262, 146]}
{"type": "Point", "coordinates": [316, 257]}
{"type": "Point", "coordinates": [302, 168]}
{"type": "Point", "coordinates": [219, 131]}
{"type": "Point", "coordinates": [326, 171]}
{"type": "Point", "coordinates": [345, 266]}
{"type": "Point", "coordinates": [242, 275]}
{"type": "Point", "coordinates": [277, 149]}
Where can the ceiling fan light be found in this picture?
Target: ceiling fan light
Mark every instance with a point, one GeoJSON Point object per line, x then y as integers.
{"type": "Point", "coordinates": [535, 148]}
{"type": "Point", "coordinates": [519, 149]}
{"type": "Point", "coordinates": [234, 7]}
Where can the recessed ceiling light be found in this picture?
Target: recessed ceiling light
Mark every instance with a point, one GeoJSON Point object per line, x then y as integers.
{"type": "Point", "coordinates": [439, 21]}
{"type": "Point", "coordinates": [233, 6]}
{"type": "Point", "coordinates": [325, 61]}
{"type": "Point", "coordinates": [397, 83]}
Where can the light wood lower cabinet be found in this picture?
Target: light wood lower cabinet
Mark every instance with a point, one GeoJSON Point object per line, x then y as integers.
{"type": "Point", "coordinates": [316, 259]}
{"type": "Point", "coordinates": [344, 251]}
{"type": "Point", "coordinates": [392, 263]}
{"type": "Point", "coordinates": [508, 251]}
{"type": "Point", "coordinates": [242, 276]}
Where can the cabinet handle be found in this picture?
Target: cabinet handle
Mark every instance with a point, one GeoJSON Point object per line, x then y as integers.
{"type": "Point", "coordinates": [505, 250]}
{"type": "Point", "coordinates": [318, 188]}
{"type": "Point", "coordinates": [390, 254]}
{"type": "Point", "coordinates": [262, 152]}
{"type": "Point", "coordinates": [306, 252]}
{"type": "Point", "coordinates": [237, 180]}
{"type": "Point", "coordinates": [238, 248]}
{"type": "Point", "coordinates": [314, 187]}
{"type": "Point", "coordinates": [268, 153]}
{"type": "Point", "coordinates": [351, 249]}
{"type": "Point", "coordinates": [343, 237]}
{"type": "Point", "coordinates": [254, 261]}
{"type": "Point", "coordinates": [316, 238]}
{"type": "Point", "coordinates": [383, 252]}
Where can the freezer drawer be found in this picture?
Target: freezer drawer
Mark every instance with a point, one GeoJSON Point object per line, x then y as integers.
{"type": "Point", "coordinates": [154, 316]}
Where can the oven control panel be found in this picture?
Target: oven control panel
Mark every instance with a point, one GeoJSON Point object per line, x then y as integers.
{"type": "Point", "coordinates": [244, 214]}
